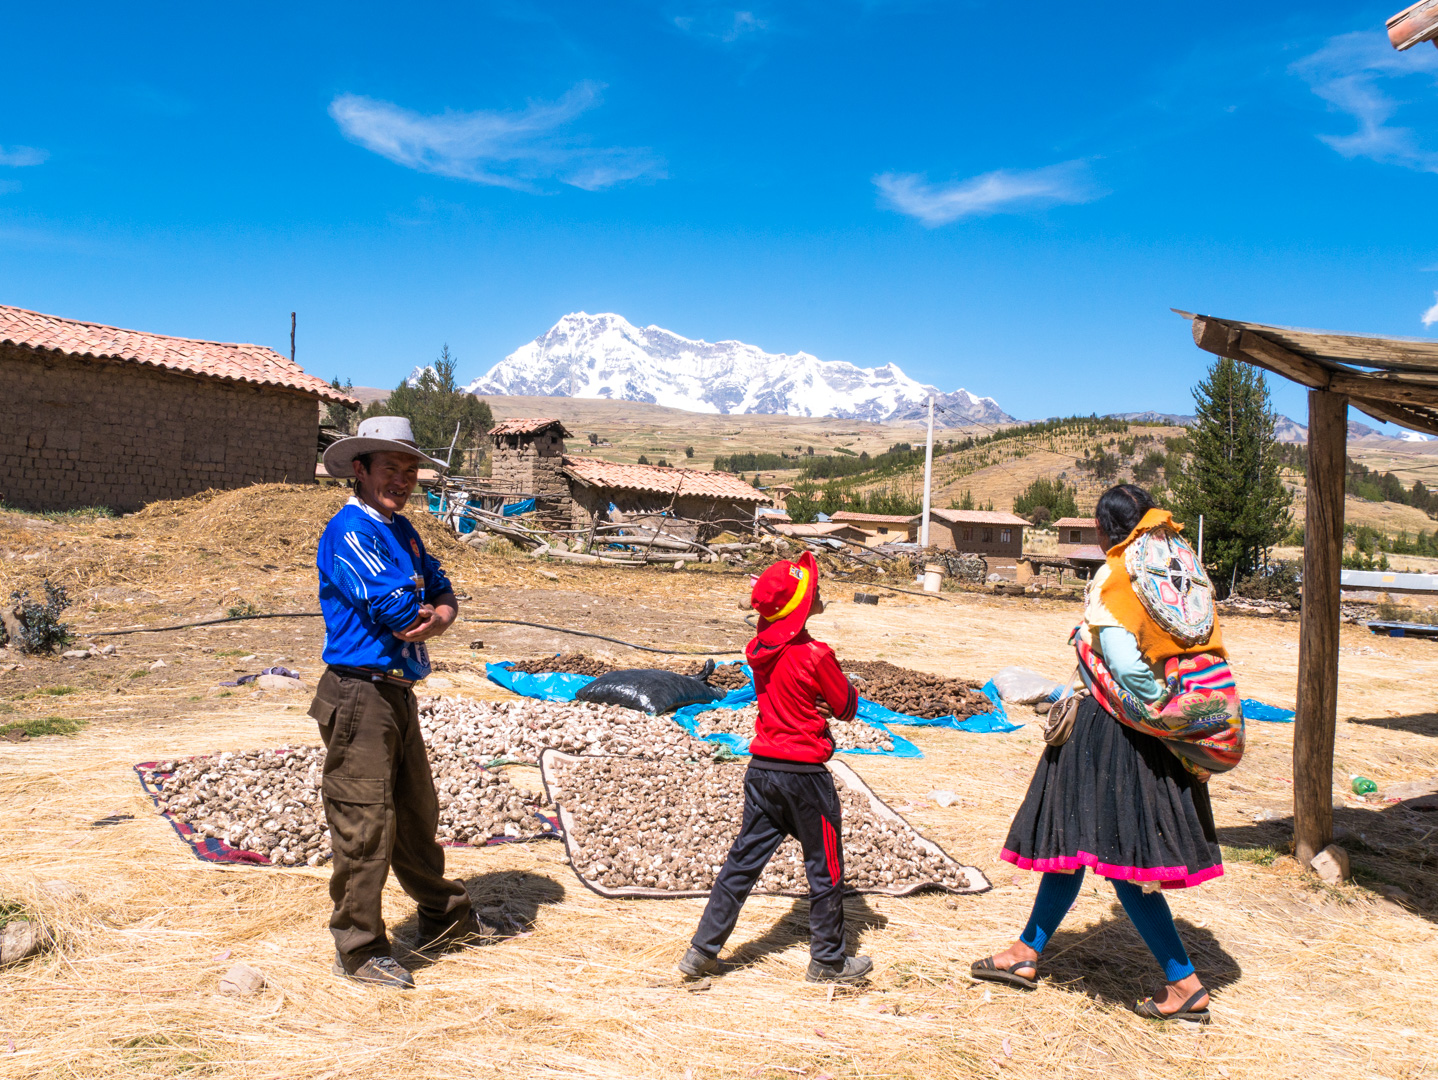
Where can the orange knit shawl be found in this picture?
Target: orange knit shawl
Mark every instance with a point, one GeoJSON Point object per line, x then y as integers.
{"type": "Point", "coordinates": [1117, 594]}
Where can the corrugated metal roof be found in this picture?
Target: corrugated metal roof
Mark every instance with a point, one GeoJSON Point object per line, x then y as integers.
{"type": "Point", "coordinates": [975, 517]}
{"type": "Point", "coordinates": [232, 362]}
{"type": "Point", "coordinates": [596, 472]}
{"type": "Point", "coordinates": [530, 425]}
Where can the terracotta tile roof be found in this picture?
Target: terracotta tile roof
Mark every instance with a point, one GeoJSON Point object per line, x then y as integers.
{"type": "Point", "coordinates": [252, 364]}
{"type": "Point", "coordinates": [530, 425]}
{"type": "Point", "coordinates": [596, 472]}
{"type": "Point", "coordinates": [1075, 523]}
{"type": "Point", "coordinates": [882, 519]}
{"type": "Point", "coordinates": [975, 517]}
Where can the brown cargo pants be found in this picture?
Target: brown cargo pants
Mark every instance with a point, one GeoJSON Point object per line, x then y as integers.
{"type": "Point", "coordinates": [382, 811]}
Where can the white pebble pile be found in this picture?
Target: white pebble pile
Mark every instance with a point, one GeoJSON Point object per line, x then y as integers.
{"type": "Point", "coordinates": [668, 825]}
{"type": "Point", "coordinates": [848, 734]}
{"type": "Point", "coordinates": [519, 730]}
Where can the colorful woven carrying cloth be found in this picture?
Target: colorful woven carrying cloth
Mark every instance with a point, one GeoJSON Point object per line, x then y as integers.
{"type": "Point", "coordinates": [1199, 716]}
{"type": "Point", "coordinates": [1154, 587]}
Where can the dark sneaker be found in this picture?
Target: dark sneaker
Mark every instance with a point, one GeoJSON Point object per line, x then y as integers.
{"type": "Point", "coordinates": [471, 929]}
{"type": "Point", "coordinates": [697, 964]}
{"type": "Point", "coordinates": [853, 969]}
{"type": "Point", "coordinates": [383, 971]}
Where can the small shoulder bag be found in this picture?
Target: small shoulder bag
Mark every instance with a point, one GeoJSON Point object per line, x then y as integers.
{"type": "Point", "coordinates": [1063, 712]}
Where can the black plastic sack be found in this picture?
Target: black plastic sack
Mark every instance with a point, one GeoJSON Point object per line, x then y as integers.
{"type": "Point", "coordinates": [650, 690]}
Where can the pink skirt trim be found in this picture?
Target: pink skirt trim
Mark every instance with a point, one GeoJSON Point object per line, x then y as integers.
{"type": "Point", "coordinates": [1169, 877]}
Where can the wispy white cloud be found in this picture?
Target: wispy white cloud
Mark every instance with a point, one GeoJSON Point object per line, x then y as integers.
{"type": "Point", "coordinates": [1354, 73]}
{"type": "Point", "coordinates": [1431, 315]}
{"type": "Point", "coordinates": [519, 150]}
{"type": "Point", "coordinates": [9, 187]}
{"type": "Point", "coordinates": [18, 156]}
{"type": "Point", "coordinates": [721, 23]}
{"type": "Point", "coordinates": [1004, 191]}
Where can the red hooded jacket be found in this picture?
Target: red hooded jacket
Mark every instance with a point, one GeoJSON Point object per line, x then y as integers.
{"type": "Point", "coordinates": [788, 680]}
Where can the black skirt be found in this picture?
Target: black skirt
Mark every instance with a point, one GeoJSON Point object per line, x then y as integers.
{"type": "Point", "coordinates": [1118, 801]}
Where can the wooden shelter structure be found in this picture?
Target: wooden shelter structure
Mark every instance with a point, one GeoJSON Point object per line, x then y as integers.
{"type": "Point", "coordinates": [1390, 379]}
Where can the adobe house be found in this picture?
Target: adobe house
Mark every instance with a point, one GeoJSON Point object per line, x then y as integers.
{"type": "Point", "coordinates": [94, 415]}
{"type": "Point", "coordinates": [1074, 533]}
{"type": "Point", "coordinates": [647, 493]}
{"type": "Point", "coordinates": [980, 532]}
{"type": "Point", "coordinates": [529, 458]}
{"type": "Point", "coordinates": [883, 528]}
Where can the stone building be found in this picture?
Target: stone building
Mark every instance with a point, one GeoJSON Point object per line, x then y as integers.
{"type": "Point", "coordinates": [93, 415]}
{"type": "Point", "coordinates": [529, 459]}
{"type": "Point", "coordinates": [982, 532]}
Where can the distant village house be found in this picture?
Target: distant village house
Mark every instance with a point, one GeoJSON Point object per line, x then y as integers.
{"type": "Point", "coordinates": [98, 416]}
{"type": "Point", "coordinates": [980, 532]}
{"type": "Point", "coordinates": [881, 528]}
{"type": "Point", "coordinates": [1075, 533]}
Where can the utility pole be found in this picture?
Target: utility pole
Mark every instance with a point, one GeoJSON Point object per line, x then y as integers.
{"type": "Point", "coordinates": [292, 337]}
{"type": "Point", "coordinates": [928, 476]}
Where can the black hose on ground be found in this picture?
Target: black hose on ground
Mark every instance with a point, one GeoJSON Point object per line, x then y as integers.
{"type": "Point", "coordinates": [511, 622]}
{"type": "Point", "coordinates": [616, 641]}
{"type": "Point", "coordinates": [206, 622]}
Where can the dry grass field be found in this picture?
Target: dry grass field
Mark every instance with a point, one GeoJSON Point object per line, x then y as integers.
{"type": "Point", "coordinates": [1308, 980]}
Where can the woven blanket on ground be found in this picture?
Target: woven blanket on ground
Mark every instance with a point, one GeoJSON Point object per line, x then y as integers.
{"type": "Point", "coordinates": [213, 849]}
{"type": "Point", "coordinates": [678, 811]}
{"type": "Point", "coordinates": [1198, 717]}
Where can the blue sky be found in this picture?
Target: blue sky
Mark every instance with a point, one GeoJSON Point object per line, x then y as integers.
{"type": "Point", "coordinates": [1004, 198]}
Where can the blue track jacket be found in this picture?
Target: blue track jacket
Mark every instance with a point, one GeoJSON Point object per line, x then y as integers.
{"type": "Point", "coordinates": [373, 574]}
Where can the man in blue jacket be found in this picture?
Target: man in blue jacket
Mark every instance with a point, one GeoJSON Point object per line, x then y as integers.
{"type": "Point", "coordinates": [383, 596]}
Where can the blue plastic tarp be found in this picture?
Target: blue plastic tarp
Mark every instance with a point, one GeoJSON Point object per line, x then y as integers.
{"type": "Point", "coordinates": [1257, 710]}
{"type": "Point", "coordinates": [524, 506]}
{"type": "Point", "coordinates": [688, 719]}
{"type": "Point", "coordinates": [996, 721]}
{"type": "Point", "coordinates": [548, 686]}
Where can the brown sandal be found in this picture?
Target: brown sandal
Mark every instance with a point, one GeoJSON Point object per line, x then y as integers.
{"type": "Point", "coordinates": [1150, 1011]}
{"type": "Point", "coordinates": [987, 970]}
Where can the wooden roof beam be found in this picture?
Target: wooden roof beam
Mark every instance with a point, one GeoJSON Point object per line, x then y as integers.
{"type": "Point", "coordinates": [1257, 349]}
{"type": "Point", "coordinates": [1390, 413]}
{"type": "Point", "coordinates": [1380, 388]}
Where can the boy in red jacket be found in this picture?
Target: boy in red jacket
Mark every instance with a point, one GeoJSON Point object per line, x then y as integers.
{"type": "Point", "coordinates": [787, 789]}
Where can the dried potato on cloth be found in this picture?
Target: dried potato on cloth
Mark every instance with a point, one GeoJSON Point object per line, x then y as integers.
{"type": "Point", "coordinates": [263, 807]}
{"type": "Point", "coordinates": [661, 829]}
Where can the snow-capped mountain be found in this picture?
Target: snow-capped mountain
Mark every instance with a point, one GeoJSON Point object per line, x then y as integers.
{"type": "Point", "coordinates": [606, 356]}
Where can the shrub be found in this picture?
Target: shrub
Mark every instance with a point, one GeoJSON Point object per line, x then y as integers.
{"type": "Point", "coordinates": [40, 629]}
{"type": "Point", "coordinates": [1280, 582]}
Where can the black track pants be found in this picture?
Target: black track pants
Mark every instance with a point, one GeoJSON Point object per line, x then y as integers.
{"type": "Point", "coordinates": [779, 804]}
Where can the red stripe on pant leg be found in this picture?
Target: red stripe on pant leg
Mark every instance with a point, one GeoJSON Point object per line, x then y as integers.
{"type": "Point", "coordinates": [831, 852]}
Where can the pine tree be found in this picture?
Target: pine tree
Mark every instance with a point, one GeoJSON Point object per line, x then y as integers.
{"type": "Point", "coordinates": [1232, 476]}
{"type": "Point", "coordinates": [437, 407]}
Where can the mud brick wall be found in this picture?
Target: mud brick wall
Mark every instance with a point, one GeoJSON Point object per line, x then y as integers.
{"type": "Point", "coordinates": [530, 465]}
{"type": "Point", "coordinates": [90, 433]}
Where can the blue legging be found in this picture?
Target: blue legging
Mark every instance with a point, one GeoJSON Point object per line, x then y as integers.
{"type": "Point", "coordinates": [1148, 911]}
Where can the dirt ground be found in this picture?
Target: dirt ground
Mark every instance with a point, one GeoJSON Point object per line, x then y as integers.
{"type": "Point", "coordinates": [1307, 980]}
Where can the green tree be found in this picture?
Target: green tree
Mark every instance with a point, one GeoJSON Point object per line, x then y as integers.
{"type": "Point", "coordinates": [801, 506]}
{"type": "Point", "coordinates": [1232, 475]}
{"type": "Point", "coordinates": [341, 416]}
{"type": "Point", "coordinates": [1054, 497]}
{"type": "Point", "coordinates": [437, 408]}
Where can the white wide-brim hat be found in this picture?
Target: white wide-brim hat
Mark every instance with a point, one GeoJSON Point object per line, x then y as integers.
{"type": "Point", "coordinates": [378, 433]}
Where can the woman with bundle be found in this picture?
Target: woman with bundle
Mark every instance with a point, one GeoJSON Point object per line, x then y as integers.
{"type": "Point", "coordinates": [1123, 785]}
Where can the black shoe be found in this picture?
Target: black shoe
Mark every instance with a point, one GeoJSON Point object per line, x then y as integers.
{"type": "Point", "coordinates": [469, 929]}
{"type": "Point", "coordinates": [697, 964]}
{"type": "Point", "coordinates": [383, 971]}
{"type": "Point", "coordinates": [853, 969]}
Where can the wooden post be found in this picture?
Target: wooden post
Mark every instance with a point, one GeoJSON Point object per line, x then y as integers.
{"type": "Point", "coordinates": [1318, 630]}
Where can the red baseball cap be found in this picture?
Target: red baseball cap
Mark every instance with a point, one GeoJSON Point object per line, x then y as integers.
{"type": "Point", "coordinates": [783, 596]}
